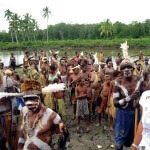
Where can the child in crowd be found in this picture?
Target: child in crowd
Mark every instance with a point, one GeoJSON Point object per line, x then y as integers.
{"type": "Point", "coordinates": [104, 96]}
{"type": "Point", "coordinates": [82, 103]}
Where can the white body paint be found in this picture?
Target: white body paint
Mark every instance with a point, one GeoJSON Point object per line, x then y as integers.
{"type": "Point", "coordinates": [121, 102]}
{"type": "Point", "coordinates": [34, 139]}
{"type": "Point", "coordinates": [31, 103]}
{"type": "Point", "coordinates": [116, 95]}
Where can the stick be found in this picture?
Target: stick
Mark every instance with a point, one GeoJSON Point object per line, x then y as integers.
{"type": "Point", "coordinates": [136, 121]}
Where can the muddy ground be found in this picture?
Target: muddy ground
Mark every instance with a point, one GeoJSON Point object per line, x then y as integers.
{"type": "Point", "coordinates": [98, 136]}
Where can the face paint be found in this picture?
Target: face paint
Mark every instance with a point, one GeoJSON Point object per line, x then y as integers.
{"type": "Point", "coordinates": [33, 106]}
{"type": "Point", "coordinates": [32, 102]}
{"type": "Point", "coordinates": [127, 71]}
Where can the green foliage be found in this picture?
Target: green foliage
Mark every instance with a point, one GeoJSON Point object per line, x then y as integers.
{"type": "Point", "coordinates": [106, 28]}
{"type": "Point", "coordinates": [141, 42]}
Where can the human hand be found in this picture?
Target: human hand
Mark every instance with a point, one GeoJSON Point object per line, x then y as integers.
{"type": "Point", "coordinates": [136, 104]}
{"type": "Point", "coordinates": [61, 127]}
{"type": "Point", "coordinates": [135, 94]}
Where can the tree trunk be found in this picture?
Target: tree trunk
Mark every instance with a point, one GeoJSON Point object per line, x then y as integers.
{"type": "Point", "coordinates": [27, 35]}
{"type": "Point", "coordinates": [12, 37]}
{"type": "Point", "coordinates": [16, 37]}
{"type": "Point", "coordinates": [34, 37]}
{"type": "Point", "coordinates": [23, 36]}
{"type": "Point", "coordinates": [47, 29]}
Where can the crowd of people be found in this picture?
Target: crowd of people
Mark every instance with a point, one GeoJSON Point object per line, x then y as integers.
{"type": "Point", "coordinates": [95, 90]}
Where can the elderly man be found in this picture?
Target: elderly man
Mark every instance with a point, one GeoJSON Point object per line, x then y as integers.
{"type": "Point", "coordinates": [39, 122]}
{"type": "Point", "coordinates": [125, 92]}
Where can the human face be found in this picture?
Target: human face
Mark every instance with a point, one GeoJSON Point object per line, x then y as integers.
{"type": "Point", "coordinates": [96, 67]}
{"type": "Point", "coordinates": [107, 81]}
{"type": "Point", "coordinates": [32, 102]}
{"type": "Point", "coordinates": [62, 62]}
{"type": "Point", "coordinates": [82, 82]}
{"type": "Point", "coordinates": [146, 62]}
{"type": "Point", "coordinates": [109, 64]}
{"type": "Point", "coordinates": [76, 71]}
{"type": "Point", "coordinates": [1, 66]}
{"type": "Point", "coordinates": [84, 69]}
{"type": "Point", "coordinates": [127, 71]}
{"type": "Point", "coordinates": [87, 83]}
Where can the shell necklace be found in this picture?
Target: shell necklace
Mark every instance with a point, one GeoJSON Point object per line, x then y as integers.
{"type": "Point", "coordinates": [30, 130]}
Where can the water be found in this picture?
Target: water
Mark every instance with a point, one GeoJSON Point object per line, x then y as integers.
{"type": "Point", "coordinates": [19, 54]}
{"type": "Point", "coordinates": [5, 56]}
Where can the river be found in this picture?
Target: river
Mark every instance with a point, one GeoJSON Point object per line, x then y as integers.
{"type": "Point", "coordinates": [19, 54]}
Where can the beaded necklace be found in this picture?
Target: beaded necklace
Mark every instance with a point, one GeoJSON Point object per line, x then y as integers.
{"type": "Point", "coordinates": [31, 130]}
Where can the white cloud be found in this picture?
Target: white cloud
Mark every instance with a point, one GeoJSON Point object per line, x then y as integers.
{"type": "Point", "coordinates": [78, 11]}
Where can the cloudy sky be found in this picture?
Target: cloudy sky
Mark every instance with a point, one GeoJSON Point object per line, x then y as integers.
{"type": "Point", "coordinates": [78, 11]}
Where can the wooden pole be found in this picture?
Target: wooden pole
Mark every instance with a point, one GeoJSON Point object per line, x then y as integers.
{"type": "Point", "coordinates": [136, 121]}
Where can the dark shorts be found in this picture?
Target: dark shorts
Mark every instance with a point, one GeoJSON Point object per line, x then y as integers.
{"type": "Point", "coordinates": [124, 127]}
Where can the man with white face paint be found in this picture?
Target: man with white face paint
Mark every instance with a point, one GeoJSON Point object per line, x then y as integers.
{"type": "Point", "coordinates": [126, 91]}
{"type": "Point", "coordinates": [39, 122]}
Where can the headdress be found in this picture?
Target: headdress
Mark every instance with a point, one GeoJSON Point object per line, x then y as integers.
{"type": "Point", "coordinates": [44, 59]}
{"type": "Point", "coordinates": [8, 71]}
{"type": "Point", "coordinates": [126, 61]}
{"type": "Point", "coordinates": [33, 87]}
{"type": "Point", "coordinates": [76, 67]}
{"type": "Point", "coordinates": [30, 87]}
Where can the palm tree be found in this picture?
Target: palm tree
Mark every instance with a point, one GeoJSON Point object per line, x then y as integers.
{"type": "Point", "coordinates": [106, 28]}
{"type": "Point", "coordinates": [27, 24]}
{"type": "Point", "coordinates": [46, 13]}
{"type": "Point", "coordinates": [15, 24]}
{"type": "Point", "coordinates": [34, 27]}
{"type": "Point", "coordinates": [8, 16]}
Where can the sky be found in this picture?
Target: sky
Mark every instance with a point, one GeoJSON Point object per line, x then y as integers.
{"type": "Point", "coordinates": [77, 11]}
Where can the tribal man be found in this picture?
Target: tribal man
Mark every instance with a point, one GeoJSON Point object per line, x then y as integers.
{"type": "Point", "coordinates": [125, 92]}
{"type": "Point", "coordinates": [8, 115]}
{"type": "Point", "coordinates": [39, 122]}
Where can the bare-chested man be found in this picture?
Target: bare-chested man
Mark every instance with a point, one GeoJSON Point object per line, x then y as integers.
{"type": "Point", "coordinates": [26, 59]}
{"type": "Point", "coordinates": [125, 92]}
{"type": "Point", "coordinates": [109, 68]}
{"type": "Point", "coordinates": [118, 59]}
{"type": "Point", "coordinates": [39, 122]}
{"type": "Point", "coordinates": [96, 82]}
{"type": "Point", "coordinates": [58, 101]}
{"type": "Point", "coordinates": [73, 83]}
{"type": "Point", "coordinates": [82, 103]}
{"type": "Point", "coordinates": [63, 70]}
{"type": "Point", "coordinates": [85, 74]}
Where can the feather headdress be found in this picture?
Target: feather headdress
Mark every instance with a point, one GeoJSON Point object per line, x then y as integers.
{"type": "Point", "coordinates": [30, 87]}
{"type": "Point", "coordinates": [125, 47]}
{"type": "Point", "coordinates": [127, 60]}
{"type": "Point", "coordinates": [96, 59]}
{"type": "Point", "coordinates": [53, 88]}
{"type": "Point", "coordinates": [5, 94]}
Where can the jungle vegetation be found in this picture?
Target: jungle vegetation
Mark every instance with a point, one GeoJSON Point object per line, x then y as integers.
{"type": "Point", "coordinates": [25, 32]}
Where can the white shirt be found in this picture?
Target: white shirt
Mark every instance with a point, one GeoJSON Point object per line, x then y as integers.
{"type": "Point", "coordinates": [145, 103]}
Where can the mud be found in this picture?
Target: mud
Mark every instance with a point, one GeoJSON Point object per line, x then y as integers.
{"type": "Point", "coordinates": [99, 138]}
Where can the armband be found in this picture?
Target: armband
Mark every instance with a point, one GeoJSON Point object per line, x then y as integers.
{"type": "Point", "coordinates": [121, 102]}
{"type": "Point", "coordinates": [134, 145]}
